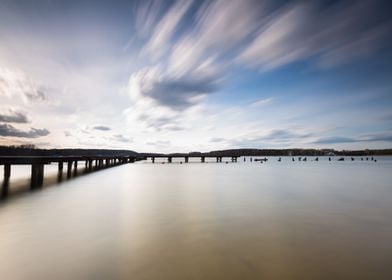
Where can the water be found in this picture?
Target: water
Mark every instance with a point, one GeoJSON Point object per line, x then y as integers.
{"type": "Point", "coordinates": [276, 220]}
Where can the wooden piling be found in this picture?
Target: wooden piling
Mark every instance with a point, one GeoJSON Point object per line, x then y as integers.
{"type": "Point", "coordinates": [37, 175]}
{"type": "Point", "coordinates": [69, 169]}
{"type": "Point", "coordinates": [7, 175]}
{"type": "Point", "coordinates": [75, 172]}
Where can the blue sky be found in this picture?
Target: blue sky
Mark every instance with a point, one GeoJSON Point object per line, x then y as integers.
{"type": "Point", "coordinates": [196, 75]}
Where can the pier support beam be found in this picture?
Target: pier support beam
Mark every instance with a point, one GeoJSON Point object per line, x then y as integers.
{"type": "Point", "coordinates": [69, 169]}
{"type": "Point", "coordinates": [153, 159]}
{"type": "Point", "coordinates": [90, 164]}
{"type": "Point", "coordinates": [75, 172]}
{"type": "Point", "coordinates": [61, 166]}
{"type": "Point", "coordinates": [7, 175]}
{"type": "Point", "coordinates": [60, 172]}
{"type": "Point", "coordinates": [37, 175]}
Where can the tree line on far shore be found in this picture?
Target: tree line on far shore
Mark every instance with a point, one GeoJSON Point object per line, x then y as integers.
{"type": "Point", "coordinates": [31, 150]}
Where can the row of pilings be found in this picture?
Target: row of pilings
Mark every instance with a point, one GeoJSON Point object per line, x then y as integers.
{"type": "Point", "coordinates": [71, 163]}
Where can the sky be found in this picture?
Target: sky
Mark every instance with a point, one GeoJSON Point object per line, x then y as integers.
{"type": "Point", "coordinates": [182, 76]}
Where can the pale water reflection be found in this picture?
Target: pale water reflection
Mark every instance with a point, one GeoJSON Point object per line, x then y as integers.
{"type": "Point", "coordinates": [277, 220]}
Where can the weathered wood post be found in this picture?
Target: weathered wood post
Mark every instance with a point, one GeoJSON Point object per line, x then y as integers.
{"type": "Point", "coordinates": [7, 175]}
{"type": "Point", "coordinates": [40, 175]}
{"type": "Point", "coordinates": [61, 166]}
{"type": "Point", "coordinates": [186, 159]}
{"type": "Point", "coordinates": [69, 169]}
{"type": "Point", "coordinates": [169, 159]}
{"type": "Point", "coordinates": [90, 164]}
{"type": "Point", "coordinates": [37, 175]}
{"type": "Point", "coordinates": [153, 159]}
{"type": "Point", "coordinates": [60, 172]}
{"type": "Point", "coordinates": [203, 159]}
{"type": "Point", "coordinates": [75, 168]}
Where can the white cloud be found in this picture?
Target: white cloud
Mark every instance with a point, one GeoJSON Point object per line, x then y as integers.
{"type": "Point", "coordinates": [17, 84]}
{"type": "Point", "coordinates": [304, 30]}
{"type": "Point", "coordinates": [161, 37]}
{"type": "Point", "coordinates": [262, 102]}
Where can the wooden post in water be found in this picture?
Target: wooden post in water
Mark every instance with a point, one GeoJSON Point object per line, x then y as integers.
{"type": "Point", "coordinates": [75, 168]}
{"type": "Point", "coordinates": [90, 164]}
{"type": "Point", "coordinates": [60, 172]}
{"type": "Point", "coordinates": [40, 175]}
{"type": "Point", "coordinates": [69, 169]}
{"type": "Point", "coordinates": [61, 166]}
{"type": "Point", "coordinates": [169, 159]}
{"type": "Point", "coordinates": [203, 159]}
{"type": "Point", "coordinates": [186, 159]}
{"type": "Point", "coordinates": [7, 175]}
{"type": "Point", "coordinates": [37, 175]}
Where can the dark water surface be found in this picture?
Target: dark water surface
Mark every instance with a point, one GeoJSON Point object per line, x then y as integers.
{"type": "Point", "coordinates": [277, 220]}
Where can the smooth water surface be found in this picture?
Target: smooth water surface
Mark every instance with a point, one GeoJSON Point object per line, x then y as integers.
{"type": "Point", "coordinates": [276, 220]}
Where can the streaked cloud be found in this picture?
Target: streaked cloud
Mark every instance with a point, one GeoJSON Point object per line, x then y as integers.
{"type": "Point", "coordinates": [122, 138]}
{"type": "Point", "coordinates": [262, 102]}
{"type": "Point", "coordinates": [7, 130]}
{"type": "Point", "coordinates": [13, 116]}
{"type": "Point", "coordinates": [17, 84]}
{"type": "Point", "coordinates": [102, 128]}
{"type": "Point", "coordinates": [161, 38]}
{"type": "Point", "coordinates": [375, 137]}
{"type": "Point", "coordinates": [332, 35]}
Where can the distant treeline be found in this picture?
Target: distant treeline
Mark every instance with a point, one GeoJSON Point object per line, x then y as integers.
{"type": "Point", "coordinates": [281, 152]}
{"type": "Point", "coordinates": [31, 151]}
{"type": "Point", "coordinates": [297, 152]}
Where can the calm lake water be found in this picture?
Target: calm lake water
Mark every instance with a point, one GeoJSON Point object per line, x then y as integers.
{"type": "Point", "coordinates": [277, 220]}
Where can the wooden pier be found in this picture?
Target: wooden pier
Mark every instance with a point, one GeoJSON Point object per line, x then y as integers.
{"type": "Point", "coordinates": [38, 163]}
{"type": "Point", "coordinates": [187, 156]}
